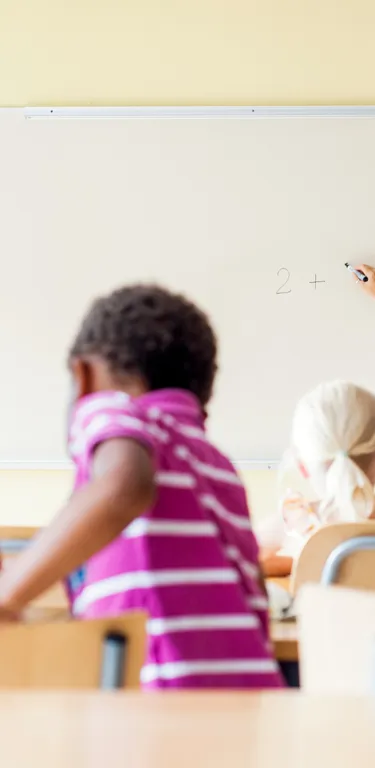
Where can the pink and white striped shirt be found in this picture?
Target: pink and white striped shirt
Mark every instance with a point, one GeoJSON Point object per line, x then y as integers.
{"type": "Point", "coordinates": [191, 561]}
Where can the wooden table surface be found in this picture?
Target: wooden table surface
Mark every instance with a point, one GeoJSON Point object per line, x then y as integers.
{"type": "Point", "coordinates": [283, 730]}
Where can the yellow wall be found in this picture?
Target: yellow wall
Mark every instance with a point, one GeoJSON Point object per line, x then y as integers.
{"type": "Point", "coordinates": [187, 51]}
{"type": "Point", "coordinates": [177, 52]}
{"type": "Point", "coordinates": [33, 497]}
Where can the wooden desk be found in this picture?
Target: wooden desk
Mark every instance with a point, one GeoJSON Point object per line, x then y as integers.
{"type": "Point", "coordinates": [287, 730]}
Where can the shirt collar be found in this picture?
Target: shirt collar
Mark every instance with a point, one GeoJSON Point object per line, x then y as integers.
{"type": "Point", "coordinates": [177, 402]}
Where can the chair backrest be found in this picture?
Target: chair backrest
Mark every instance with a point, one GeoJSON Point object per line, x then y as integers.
{"type": "Point", "coordinates": [336, 640]}
{"type": "Point", "coordinates": [72, 654]}
{"type": "Point", "coordinates": [357, 570]}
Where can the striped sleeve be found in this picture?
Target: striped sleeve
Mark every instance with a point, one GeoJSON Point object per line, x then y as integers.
{"type": "Point", "coordinates": [107, 416]}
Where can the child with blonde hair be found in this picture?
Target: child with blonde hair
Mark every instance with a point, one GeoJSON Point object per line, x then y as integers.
{"type": "Point", "coordinates": [333, 449]}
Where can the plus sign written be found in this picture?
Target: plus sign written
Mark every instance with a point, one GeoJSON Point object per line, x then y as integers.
{"type": "Point", "coordinates": [316, 282]}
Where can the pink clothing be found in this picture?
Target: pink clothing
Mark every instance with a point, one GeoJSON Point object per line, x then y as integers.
{"type": "Point", "coordinates": [191, 561]}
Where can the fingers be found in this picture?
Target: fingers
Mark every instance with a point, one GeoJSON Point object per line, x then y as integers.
{"type": "Point", "coordinates": [367, 270]}
{"type": "Point", "coordinates": [354, 276]}
{"type": "Point", "coordinates": [369, 285]}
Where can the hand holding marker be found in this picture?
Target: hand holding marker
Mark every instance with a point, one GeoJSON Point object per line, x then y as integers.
{"type": "Point", "coordinates": [364, 270]}
{"type": "Point", "coordinates": [357, 272]}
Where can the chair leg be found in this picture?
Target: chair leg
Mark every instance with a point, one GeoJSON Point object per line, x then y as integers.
{"type": "Point", "coordinates": [113, 662]}
{"type": "Point", "coordinates": [290, 672]}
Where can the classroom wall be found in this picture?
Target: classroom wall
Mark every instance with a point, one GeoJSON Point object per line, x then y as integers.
{"type": "Point", "coordinates": [187, 52]}
{"type": "Point", "coordinates": [177, 52]}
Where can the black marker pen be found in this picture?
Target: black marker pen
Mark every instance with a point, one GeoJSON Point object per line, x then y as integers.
{"type": "Point", "coordinates": [357, 273]}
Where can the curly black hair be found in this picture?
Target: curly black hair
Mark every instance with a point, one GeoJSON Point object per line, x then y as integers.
{"type": "Point", "coordinates": [150, 331]}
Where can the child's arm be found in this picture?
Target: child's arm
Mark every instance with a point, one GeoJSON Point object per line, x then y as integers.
{"type": "Point", "coordinates": [121, 489]}
{"type": "Point", "coordinates": [276, 566]}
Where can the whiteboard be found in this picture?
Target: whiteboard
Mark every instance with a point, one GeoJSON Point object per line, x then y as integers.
{"type": "Point", "coordinates": [253, 219]}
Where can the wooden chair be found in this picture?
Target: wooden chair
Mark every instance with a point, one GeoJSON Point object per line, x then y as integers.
{"type": "Point", "coordinates": [106, 653]}
{"type": "Point", "coordinates": [337, 640]}
{"type": "Point", "coordinates": [343, 553]}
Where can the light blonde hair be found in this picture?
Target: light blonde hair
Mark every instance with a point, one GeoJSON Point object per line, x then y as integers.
{"type": "Point", "coordinates": [332, 426]}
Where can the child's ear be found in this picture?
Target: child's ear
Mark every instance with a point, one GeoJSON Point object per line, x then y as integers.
{"type": "Point", "coordinates": [82, 378]}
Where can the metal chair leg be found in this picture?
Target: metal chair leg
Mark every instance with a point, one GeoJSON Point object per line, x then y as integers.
{"type": "Point", "coordinates": [113, 662]}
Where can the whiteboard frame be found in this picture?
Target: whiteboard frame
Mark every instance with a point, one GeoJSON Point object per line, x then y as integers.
{"type": "Point", "coordinates": [215, 112]}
